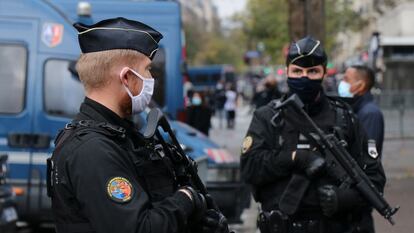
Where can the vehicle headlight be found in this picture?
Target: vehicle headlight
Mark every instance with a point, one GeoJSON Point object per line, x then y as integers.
{"type": "Point", "coordinates": [223, 174]}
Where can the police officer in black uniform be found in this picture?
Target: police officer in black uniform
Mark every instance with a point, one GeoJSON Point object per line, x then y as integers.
{"type": "Point", "coordinates": [104, 176]}
{"type": "Point", "coordinates": [288, 172]}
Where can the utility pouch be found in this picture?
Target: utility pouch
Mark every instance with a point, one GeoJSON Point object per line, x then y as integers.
{"type": "Point", "coordinates": [273, 222]}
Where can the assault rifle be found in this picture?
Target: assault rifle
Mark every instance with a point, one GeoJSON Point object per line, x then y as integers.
{"type": "Point", "coordinates": [185, 167]}
{"type": "Point", "coordinates": [347, 169]}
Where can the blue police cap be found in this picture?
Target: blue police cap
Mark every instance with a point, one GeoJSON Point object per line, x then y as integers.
{"type": "Point", "coordinates": [306, 52]}
{"type": "Point", "coordinates": [118, 33]}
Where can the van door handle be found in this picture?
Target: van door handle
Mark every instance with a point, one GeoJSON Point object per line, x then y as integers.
{"type": "Point", "coordinates": [25, 140]}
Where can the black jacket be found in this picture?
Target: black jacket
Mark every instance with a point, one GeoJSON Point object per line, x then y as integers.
{"type": "Point", "coordinates": [199, 117]}
{"type": "Point", "coordinates": [266, 161]}
{"type": "Point", "coordinates": [90, 158]}
{"type": "Point", "coordinates": [371, 118]}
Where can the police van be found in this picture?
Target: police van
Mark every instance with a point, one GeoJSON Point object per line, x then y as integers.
{"type": "Point", "coordinates": [40, 93]}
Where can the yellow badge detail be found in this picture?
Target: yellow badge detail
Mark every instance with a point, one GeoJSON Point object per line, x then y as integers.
{"type": "Point", "coordinates": [119, 189]}
{"type": "Point", "coordinates": [247, 143]}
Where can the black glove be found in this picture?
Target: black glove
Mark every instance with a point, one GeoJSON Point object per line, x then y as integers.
{"type": "Point", "coordinates": [213, 222]}
{"type": "Point", "coordinates": [328, 199]}
{"type": "Point", "coordinates": [199, 205]}
{"type": "Point", "coordinates": [310, 162]}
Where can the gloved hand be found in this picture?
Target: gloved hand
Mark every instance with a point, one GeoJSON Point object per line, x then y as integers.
{"type": "Point", "coordinates": [213, 222]}
{"type": "Point", "coordinates": [199, 204]}
{"type": "Point", "coordinates": [328, 199]}
{"type": "Point", "coordinates": [310, 162]}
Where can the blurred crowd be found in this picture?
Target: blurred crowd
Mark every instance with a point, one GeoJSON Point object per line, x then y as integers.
{"type": "Point", "coordinates": [250, 89]}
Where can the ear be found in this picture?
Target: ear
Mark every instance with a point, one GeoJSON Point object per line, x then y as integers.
{"type": "Point", "coordinates": [123, 76]}
{"type": "Point", "coordinates": [358, 88]}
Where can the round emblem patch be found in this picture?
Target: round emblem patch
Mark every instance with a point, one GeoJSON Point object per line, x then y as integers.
{"type": "Point", "coordinates": [119, 189]}
{"type": "Point", "coordinates": [247, 143]}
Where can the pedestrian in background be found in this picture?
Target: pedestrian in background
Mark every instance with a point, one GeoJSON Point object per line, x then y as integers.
{"type": "Point", "coordinates": [269, 93]}
{"type": "Point", "coordinates": [357, 83]}
{"type": "Point", "coordinates": [220, 100]}
{"type": "Point", "coordinates": [199, 113]}
{"type": "Point", "coordinates": [230, 105]}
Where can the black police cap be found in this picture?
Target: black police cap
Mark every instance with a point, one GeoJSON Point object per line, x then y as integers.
{"type": "Point", "coordinates": [118, 33]}
{"type": "Point", "coordinates": [306, 52]}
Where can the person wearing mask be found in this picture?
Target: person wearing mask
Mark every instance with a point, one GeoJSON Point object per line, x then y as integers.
{"type": "Point", "coordinates": [230, 105]}
{"type": "Point", "coordinates": [220, 100]}
{"type": "Point", "coordinates": [199, 114]}
{"type": "Point", "coordinates": [104, 176]}
{"type": "Point", "coordinates": [357, 84]}
{"type": "Point", "coordinates": [278, 159]}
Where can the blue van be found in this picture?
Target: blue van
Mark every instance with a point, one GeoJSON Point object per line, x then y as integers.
{"type": "Point", "coordinates": [206, 77]}
{"type": "Point", "coordinates": [39, 92]}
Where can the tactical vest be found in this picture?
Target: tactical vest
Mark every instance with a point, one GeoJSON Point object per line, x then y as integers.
{"type": "Point", "coordinates": [154, 172]}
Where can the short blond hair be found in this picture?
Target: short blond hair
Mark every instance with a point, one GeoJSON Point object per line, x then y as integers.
{"type": "Point", "coordinates": [95, 69]}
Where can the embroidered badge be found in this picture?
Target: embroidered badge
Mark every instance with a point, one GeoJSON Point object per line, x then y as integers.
{"type": "Point", "coordinates": [52, 34]}
{"type": "Point", "coordinates": [247, 143]}
{"type": "Point", "coordinates": [119, 189]}
{"type": "Point", "coordinates": [372, 149]}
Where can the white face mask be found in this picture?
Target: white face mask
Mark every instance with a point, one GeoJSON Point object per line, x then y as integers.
{"type": "Point", "coordinates": [141, 101]}
{"type": "Point", "coordinates": [344, 89]}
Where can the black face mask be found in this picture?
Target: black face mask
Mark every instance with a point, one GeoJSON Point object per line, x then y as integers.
{"type": "Point", "coordinates": [307, 89]}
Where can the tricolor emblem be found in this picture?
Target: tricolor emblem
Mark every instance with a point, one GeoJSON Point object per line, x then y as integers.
{"type": "Point", "coordinates": [52, 34]}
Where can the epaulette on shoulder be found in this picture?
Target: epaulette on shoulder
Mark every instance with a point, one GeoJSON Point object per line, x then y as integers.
{"type": "Point", "coordinates": [339, 102]}
{"type": "Point", "coordinates": [85, 126]}
{"type": "Point", "coordinates": [274, 103]}
{"type": "Point", "coordinates": [276, 120]}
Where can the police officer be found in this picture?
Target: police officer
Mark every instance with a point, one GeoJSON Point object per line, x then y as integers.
{"type": "Point", "coordinates": [357, 83]}
{"type": "Point", "coordinates": [104, 176]}
{"type": "Point", "coordinates": [288, 172]}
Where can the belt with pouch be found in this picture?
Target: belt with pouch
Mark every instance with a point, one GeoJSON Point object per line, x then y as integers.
{"type": "Point", "coordinates": [277, 222]}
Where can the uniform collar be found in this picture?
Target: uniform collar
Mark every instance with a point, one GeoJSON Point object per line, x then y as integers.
{"type": "Point", "coordinates": [92, 110]}
{"type": "Point", "coordinates": [360, 101]}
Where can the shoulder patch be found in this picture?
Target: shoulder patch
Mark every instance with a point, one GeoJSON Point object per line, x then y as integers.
{"type": "Point", "coordinates": [247, 143]}
{"type": "Point", "coordinates": [372, 149]}
{"type": "Point", "coordinates": [119, 189]}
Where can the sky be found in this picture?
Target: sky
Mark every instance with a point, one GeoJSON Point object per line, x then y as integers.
{"type": "Point", "coordinates": [227, 8]}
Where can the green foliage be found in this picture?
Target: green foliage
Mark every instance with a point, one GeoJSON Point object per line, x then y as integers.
{"type": "Point", "coordinates": [263, 21]}
{"type": "Point", "coordinates": [340, 18]}
{"type": "Point", "coordinates": [206, 48]}
{"type": "Point", "coordinates": [266, 21]}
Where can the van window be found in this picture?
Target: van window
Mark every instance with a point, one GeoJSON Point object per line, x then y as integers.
{"type": "Point", "coordinates": [13, 62]}
{"type": "Point", "coordinates": [158, 72]}
{"type": "Point", "coordinates": [63, 92]}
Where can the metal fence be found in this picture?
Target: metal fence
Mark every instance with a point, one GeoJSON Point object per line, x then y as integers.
{"type": "Point", "coordinates": [398, 109]}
